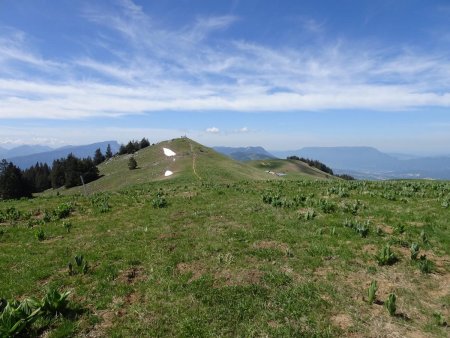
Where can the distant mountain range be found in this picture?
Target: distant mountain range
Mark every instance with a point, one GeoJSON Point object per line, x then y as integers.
{"type": "Point", "coordinates": [27, 156]}
{"type": "Point", "coordinates": [23, 150]}
{"type": "Point", "coordinates": [245, 153]}
{"type": "Point", "coordinates": [370, 163]}
{"type": "Point", "coordinates": [360, 162]}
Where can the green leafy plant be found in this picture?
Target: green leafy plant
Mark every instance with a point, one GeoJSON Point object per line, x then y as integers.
{"type": "Point", "coordinates": [39, 234]}
{"type": "Point", "coordinates": [423, 237]}
{"type": "Point", "coordinates": [309, 214]}
{"type": "Point", "coordinates": [439, 319]}
{"type": "Point", "coordinates": [70, 267]}
{"type": "Point", "coordinates": [391, 304]}
{"type": "Point", "coordinates": [101, 202]}
{"type": "Point", "coordinates": [79, 260]}
{"type": "Point", "coordinates": [63, 210]}
{"type": "Point", "coordinates": [12, 214]}
{"type": "Point", "coordinates": [400, 228]}
{"type": "Point", "coordinates": [372, 292]}
{"type": "Point", "coordinates": [54, 303]}
{"type": "Point", "coordinates": [326, 206]}
{"type": "Point", "coordinates": [159, 201]}
{"type": "Point", "coordinates": [81, 265]}
{"type": "Point", "coordinates": [16, 316]}
{"type": "Point", "coordinates": [425, 265]}
{"type": "Point", "coordinates": [414, 251]}
{"type": "Point", "coordinates": [361, 228]}
{"type": "Point", "coordinates": [386, 256]}
{"type": "Point", "coordinates": [67, 226]}
{"type": "Point", "coordinates": [47, 217]}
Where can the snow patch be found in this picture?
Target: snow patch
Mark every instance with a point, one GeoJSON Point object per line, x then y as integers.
{"type": "Point", "coordinates": [168, 152]}
{"type": "Point", "coordinates": [168, 173]}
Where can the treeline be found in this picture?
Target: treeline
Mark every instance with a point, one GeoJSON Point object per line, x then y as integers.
{"type": "Point", "coordinates": [313, 163]}
{"type": "Point", "coordinates": [68, 172]}
{"type": "Point", "coordinates": [65, 172]}
{"type": "Point", "coordinates": [12, 182]}
{"type": "Point", "coordinates": [132, 146]}
{"type": "Point", "coordinates": [321, 166]}
{"type": "Point", "coordinates": [72, 171]}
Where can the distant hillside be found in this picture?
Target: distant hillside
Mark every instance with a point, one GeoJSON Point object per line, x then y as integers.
{"type": "Point", "coordinates": [291, 168]}
{"type": "Point", "coordinates": [245, 153]}
{"type": "Point", "coordinates": [25, 150]}
{"type": "Point", "coordinates": [191, 162]}
{"type": "Point", "coordinates": [48, 157]}
{"type": "Point", "coordinates": [370, 163]}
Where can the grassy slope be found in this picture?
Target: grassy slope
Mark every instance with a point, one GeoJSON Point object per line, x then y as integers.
{"type": "Point", "coordinates": [219, 261]}
{"type": "Point", "coordinates": [152, 163]}
{"type": "Point", "coordinates": [292, 168]}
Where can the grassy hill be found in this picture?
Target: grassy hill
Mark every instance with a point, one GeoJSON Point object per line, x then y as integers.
{"type": "Point", "coordinates": [192, 162]}
{"type": "Point", "coordinates": [293, 168]}
{"type": "Point", "coordinates": [216, 252]}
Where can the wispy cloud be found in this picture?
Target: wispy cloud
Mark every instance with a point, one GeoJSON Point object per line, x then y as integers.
{"type": "Point", "coordinates": [213, 130]}
{"type": "Point", "coordinates": [148, 66]}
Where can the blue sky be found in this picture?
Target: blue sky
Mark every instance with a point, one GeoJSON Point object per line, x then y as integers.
{"type": "Point", "coordinates": [281, 74]}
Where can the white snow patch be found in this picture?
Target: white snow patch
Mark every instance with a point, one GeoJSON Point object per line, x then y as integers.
{"type": "Point", "coordinates": [168, 152]}
{"type": "Point", "coordinates": [168, 173]}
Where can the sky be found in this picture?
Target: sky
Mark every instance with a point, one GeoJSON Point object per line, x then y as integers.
{"type": "Point", "coordinates": [279, 74]}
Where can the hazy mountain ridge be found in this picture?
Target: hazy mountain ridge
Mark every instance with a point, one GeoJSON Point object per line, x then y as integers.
{"type": "Point", "coordinates": [245, 153]}
{"type": "Point", "coordinates": [48, 157]}
{"type": "Point", "coordinates": [370, 163]}
{"type": "Point", "coordinates": [24, 150]}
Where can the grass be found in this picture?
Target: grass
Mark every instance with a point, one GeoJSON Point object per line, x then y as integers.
{"type": "Point", "coordinates": [217, 260]}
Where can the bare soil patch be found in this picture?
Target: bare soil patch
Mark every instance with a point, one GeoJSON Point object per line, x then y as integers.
{"type": "Point", "coordinates": [131, 276]}
{"type": "Point", "coordinates": [196, 268]}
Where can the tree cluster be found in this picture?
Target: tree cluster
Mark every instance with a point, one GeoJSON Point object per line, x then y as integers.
{"type": "Point", "coordinates": [12, 182]}
{"type": "Point", "coordinates": [321, 166]}
{"type": "Point", "coordinates": [132, 146]}
{"type": "Point", "coordinates": [68, 171]}
{"type": "Point", "coordinates": [313, 163]}
{"type": "Point", "coordinates": [38, 177]}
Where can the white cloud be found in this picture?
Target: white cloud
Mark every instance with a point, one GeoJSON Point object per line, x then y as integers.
{"type": "Point", "coordinates": [153, 68]}
{"type": "Point", "coordinates": [243, 130]}
{"type": "Point", "coordinates": [213, 130]}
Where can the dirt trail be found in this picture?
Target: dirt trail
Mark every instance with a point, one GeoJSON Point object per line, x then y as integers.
{"type": "Point", "coordinates": [194, 157]}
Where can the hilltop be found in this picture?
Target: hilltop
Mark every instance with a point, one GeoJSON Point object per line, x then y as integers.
{"type": "Point", "coordinates": [191, 162]}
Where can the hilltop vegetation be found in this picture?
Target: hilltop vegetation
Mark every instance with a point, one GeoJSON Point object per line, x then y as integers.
{"type": "Point", "coordinates": [225, 249]}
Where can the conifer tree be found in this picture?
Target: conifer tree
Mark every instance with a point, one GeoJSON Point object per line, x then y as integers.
{"type": "Point", "coordinates": [12, 183]}
{"type": "Point", "coordinates": [108, 153]}
{"type": "Point", "coordinates": [144, 143]}
{"type": "Point", "coordinates": [98, 157]}
{"type": "Point", "coordinates": [132, 164]}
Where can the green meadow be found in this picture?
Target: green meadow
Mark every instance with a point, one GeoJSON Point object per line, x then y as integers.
{"type": "Point", "coordinates": [222, 248]}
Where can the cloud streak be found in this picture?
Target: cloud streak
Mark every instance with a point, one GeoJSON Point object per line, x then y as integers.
{"type": "Point", "coordinates": [146, 66]}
